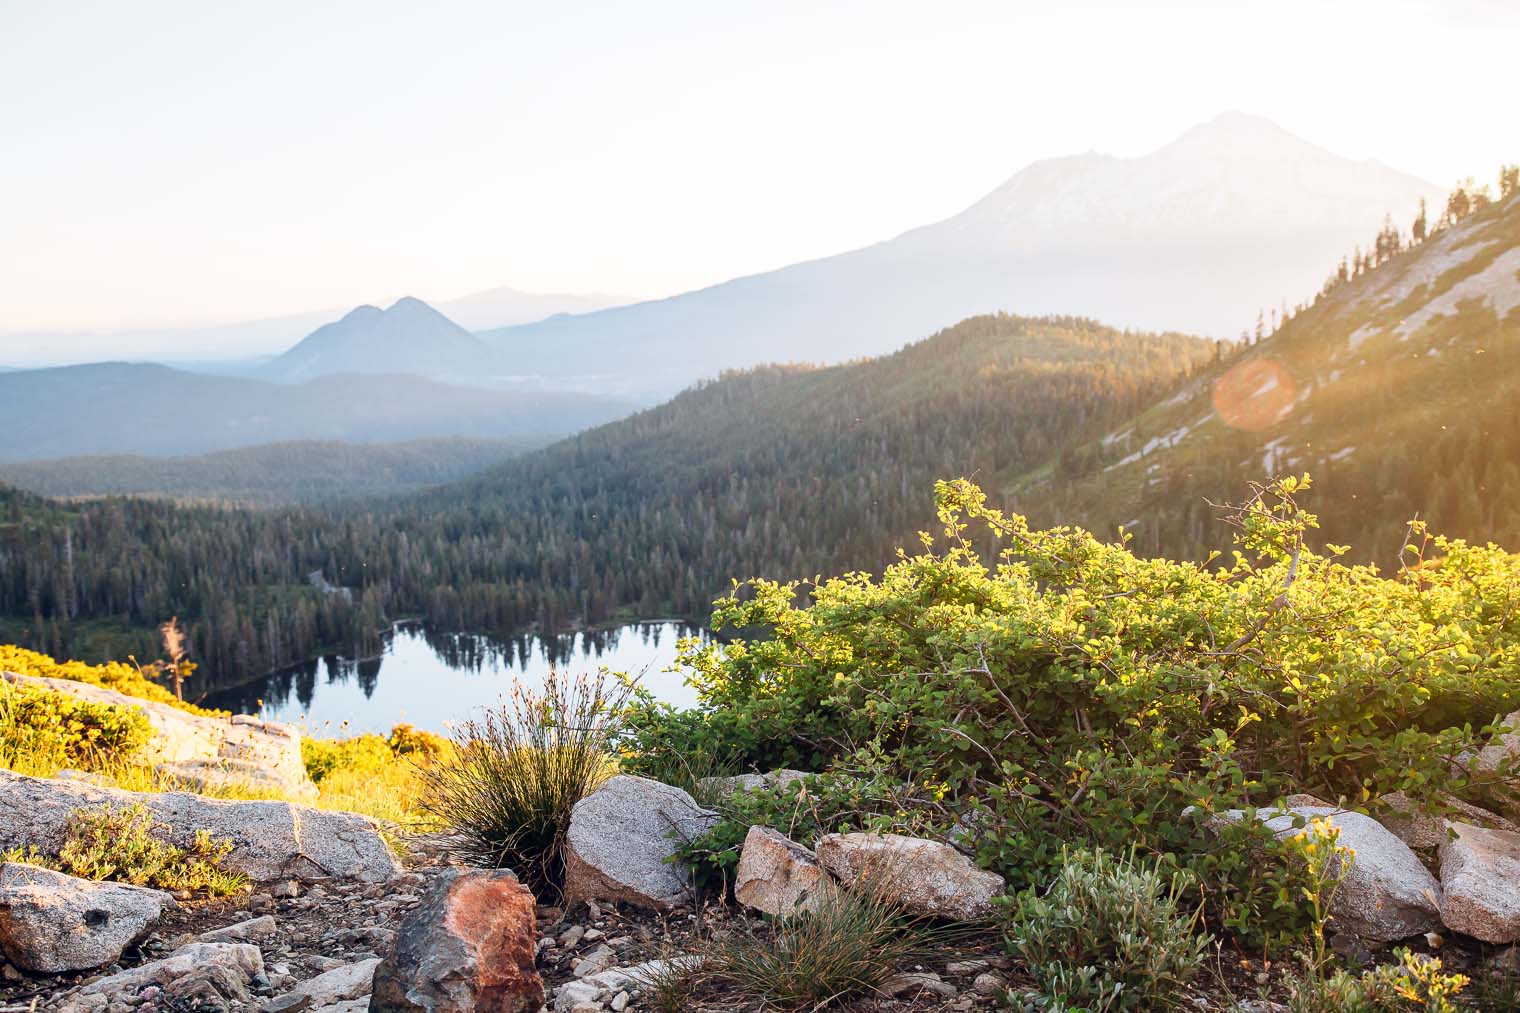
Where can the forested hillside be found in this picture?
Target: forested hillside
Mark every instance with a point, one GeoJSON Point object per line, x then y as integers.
{"type": "Point", "coordinates": [1397, 390]}
{"type": "Point", "coordinates": [781, 470]}
{"type": "Point", "coordinates": [270, 475]}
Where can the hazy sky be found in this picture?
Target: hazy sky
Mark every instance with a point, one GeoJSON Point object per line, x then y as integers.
{"type": "Point", "coordinates": [203, 161]}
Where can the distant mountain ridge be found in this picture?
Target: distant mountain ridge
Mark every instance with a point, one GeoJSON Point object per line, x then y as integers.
{"type": "Point", "coordinates": [123, 408]}
{"type": "Point", "coordinates": [502, 306]}
{"type": "Point", "coordinates": [410, 337]}
{"type": "Point", "coordinates": [1234, 216]}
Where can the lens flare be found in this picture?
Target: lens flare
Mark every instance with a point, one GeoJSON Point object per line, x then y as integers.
{"type": "Point", "coordinates": [1254, 394]}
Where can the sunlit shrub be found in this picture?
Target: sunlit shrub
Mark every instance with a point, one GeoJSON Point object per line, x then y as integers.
{"type": "Point", "coordinates": [1073, 691]}
{"type": "Point", "coordinates": [41, 728]}
{"type": "Point", "coordinates": [115, 675]}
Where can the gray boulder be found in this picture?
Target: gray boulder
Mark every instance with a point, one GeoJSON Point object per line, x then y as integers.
{"type": "Point", "coordinates": [240, 960]}
{"type": "Point", "coordinates": [1421, 830]}
{"type": "Point", "coordinates": [777, 875]}
{"type": "Point", "coordinates": [927, 877]}
{"type": "Point", "coordinates": [271, 840]}
{"type": "Point", "coordinates": [250, 931]}
{"type": "Point", "coordinates": [1480, 877]}
{"type": "Point", "coordinates": [621, 840]}
{"type": "Point", "coordinates": [51, 922]}
{"type": "Point", "coordinates": [1386, 894]}
{"type": "Point", "coordinates": [239, 750]}
{"type": "Point", "coordinates": [341, 984]}
{"type": "Point", "coordinates": [753, 781]}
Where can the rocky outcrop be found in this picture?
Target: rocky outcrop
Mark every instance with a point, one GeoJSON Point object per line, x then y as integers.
{"type": "Point", "coordinates": [1480, 877]}
{"type": "Point", "coordinates": [469, 945]}
{"type": "Point", "coordinates": [271, 840]}
{"type": "Point", "coordinates": [621, 841]}
{"type": "Point", "coordinates": [1386, 894]}
{"type": "Point", "coordinates": [926, 877]}
{"type": "Point", "coordinates": [237, 750]}
{"type": "Point", "coordinates": [51, 922]}
{"type": "Point", "coordinates": [778, 876]}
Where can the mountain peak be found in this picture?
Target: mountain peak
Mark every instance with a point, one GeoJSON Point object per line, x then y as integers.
{"type": "Point", "coordinates": [1235, 134]}
{"type": "Point", "coordinates": [409, 337]}
{"type": "Point", "coordinates": [362, 312]}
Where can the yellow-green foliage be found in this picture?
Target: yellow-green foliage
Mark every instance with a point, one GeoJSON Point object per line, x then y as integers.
{"type": "Point", "coordinates": [126, 845]}
{"type": "Point", "coordinates": [1075, 692]}
{"type": "Point", "coordinates": [123, 678]}
{"type": "Point", "coordinates": [374, 775]}
{"type": "Point", "coordinates": [42, 730]}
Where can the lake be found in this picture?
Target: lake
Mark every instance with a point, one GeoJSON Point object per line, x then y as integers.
{"type": "Point", "coordinates": [431, 680]}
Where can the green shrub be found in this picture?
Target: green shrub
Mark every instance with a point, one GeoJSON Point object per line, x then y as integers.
{"type": "Point", "coordinates": [41, 728]}
{"type": "Point", "coordinates": [1107, 934]}
{"type": "Point", "coordinates": [507, 785]}
{"type": "Point", "coordinates": [126, 845]}
{"type": "Point", "coordinates": [1073, 691]}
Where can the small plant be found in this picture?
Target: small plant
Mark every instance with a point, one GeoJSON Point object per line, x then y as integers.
{"type": "Point", "coordinates": [507, 787]}
{"type": "Point", "coordinates": [848, 946]}
{"type": "Point", "coordinates": [1108, 934]}
{"type": "Point", "coordinates": [125, 845]}
{"type": "Point", "coordinates": [1416, 984]}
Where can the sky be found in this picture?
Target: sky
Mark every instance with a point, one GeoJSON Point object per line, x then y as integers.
{"type": "Point", "coordinates": [180, 163]}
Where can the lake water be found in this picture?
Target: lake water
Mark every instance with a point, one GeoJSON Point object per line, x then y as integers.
{"type": "Point", "coordinates": [432, 680]}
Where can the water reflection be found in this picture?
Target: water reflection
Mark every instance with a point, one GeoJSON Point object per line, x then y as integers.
{"type": "Point", "coordinates": [433, 679]}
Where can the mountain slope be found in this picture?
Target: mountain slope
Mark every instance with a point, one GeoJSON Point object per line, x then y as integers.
{"type": "Point", "coordinates": [118, 408]}
{"type": "Point", "coordinates": [271, 474]}
{"type": "Point", "coordinates": [779, 471]}
{"type": "Point", "coordinates": [1234, 216]}
{"type": "Point", "coordinates": [408, 338]}
{"type": "Point", "coordinates": [1397, 392]}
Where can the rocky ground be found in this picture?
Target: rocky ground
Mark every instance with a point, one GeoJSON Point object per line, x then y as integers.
{"type": "Point", "coordinates": [335, 923]}
{"type": "Point", "coordinates": [319, 941]}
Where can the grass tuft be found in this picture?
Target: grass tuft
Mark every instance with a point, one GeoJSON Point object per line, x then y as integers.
{"type": "Point", "coordinates": [507, 787]}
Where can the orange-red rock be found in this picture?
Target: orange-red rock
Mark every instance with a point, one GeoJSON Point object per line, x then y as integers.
{"type": "Point", "coordinates": [468, 946]}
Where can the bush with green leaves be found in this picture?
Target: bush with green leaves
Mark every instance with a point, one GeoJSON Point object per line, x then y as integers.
{"type": "Point", "coordinates": [128, 845]}
{"type": "Point", "coordinates": [1074, 691]}
{"type": "Point", "coordinates": [40, 727]}
{"type": "Point", "coordinates": [1108, 933]}
{"type": "Point", "coordinates": [507, 785]}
